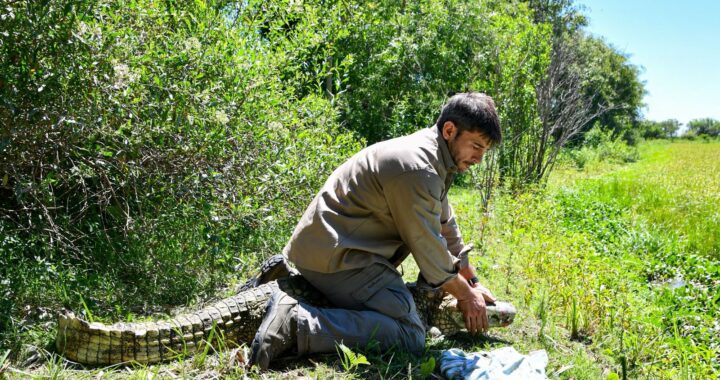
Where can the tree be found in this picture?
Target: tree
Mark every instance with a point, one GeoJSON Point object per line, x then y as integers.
{"type": "Point", "coordinates": [670, 127]}
{"type": "Point", "coordinates": [563, 15]}
{"type": "Point", "coordinates": [659, 129]}
{"type": "Point", "coordinates": [520, 55]}
{"type": "Point", "coordinates": [588, 83]}
{"type": "Point", "coordinates": [565, 108]}
{"type": "Point", "coordinates": [407, 57]}
{"type": "Point", "coordinates": [704, 127]}
{"type": "Point", "coordinates": [614, 85]}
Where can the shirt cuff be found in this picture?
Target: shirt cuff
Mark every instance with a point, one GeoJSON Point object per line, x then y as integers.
{"type": "Point", "coordinates": [464, 256]}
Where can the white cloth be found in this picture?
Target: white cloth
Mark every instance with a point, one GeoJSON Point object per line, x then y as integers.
{"type": "Point", "coordinates": [500, 364]}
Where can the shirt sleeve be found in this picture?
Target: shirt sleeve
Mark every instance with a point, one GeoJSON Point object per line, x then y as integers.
{"type": "Point", "coordinates": [414, 201]}
{"type": "Point", "coordinates": [450, 230]}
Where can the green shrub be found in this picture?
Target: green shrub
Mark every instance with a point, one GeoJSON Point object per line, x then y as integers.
{"type": "Point", "coordinates": [599, 146]}
{"type": "Point", "coordinates": [581, 157]}
{"type": "Point", "coordinates": [147, 150]}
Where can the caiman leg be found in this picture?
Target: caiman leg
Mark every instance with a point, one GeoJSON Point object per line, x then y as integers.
{"type": "Point", "coordinates": [274, 267]}
{"type": "Point", "coordinates": [235, 319]}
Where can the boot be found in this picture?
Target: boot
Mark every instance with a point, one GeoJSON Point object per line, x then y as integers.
{"type": "Point", "coordinates": [277, 333]}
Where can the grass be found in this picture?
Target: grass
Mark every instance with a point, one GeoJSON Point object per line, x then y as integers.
{"type": "Point", "coordinates": [624, 259]}
{"type": "Point", "coordinates": [613, 268]}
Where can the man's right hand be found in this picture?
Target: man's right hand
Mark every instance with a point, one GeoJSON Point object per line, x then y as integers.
{"type": "Point", "coordinates": [475, 312]}
{"type": "Point", "coordinates": [471, 302]}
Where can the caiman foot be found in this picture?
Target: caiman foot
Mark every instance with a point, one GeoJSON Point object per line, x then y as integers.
{"type": "Point", "coordinates": [272, 269]}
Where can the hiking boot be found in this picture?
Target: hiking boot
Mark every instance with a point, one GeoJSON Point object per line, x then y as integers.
{"type": "Point", "coordinates": [277, 333]}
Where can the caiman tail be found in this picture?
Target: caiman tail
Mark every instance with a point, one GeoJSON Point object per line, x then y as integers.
{"type": "Point", "coordinates": [235, 320]}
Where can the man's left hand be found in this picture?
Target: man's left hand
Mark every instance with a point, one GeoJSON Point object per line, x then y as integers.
{"type": "Point", "coordinates": [487, 295]}
{"type": "Point", "coordinates": [469, 273]}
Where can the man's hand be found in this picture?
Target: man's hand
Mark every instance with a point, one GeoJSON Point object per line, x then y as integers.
{"type": "Point", "coordinates": [469, 273]}
{"type": "Point", "coordinates": [471, 302]}
{"type": "Point", "coordinates": [475, 312]}
{"type": "Point", "coordinates": [487, 295]}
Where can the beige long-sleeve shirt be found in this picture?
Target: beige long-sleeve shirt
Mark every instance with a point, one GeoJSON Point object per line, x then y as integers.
{"type": "Point", "coordinates": [388, 197]}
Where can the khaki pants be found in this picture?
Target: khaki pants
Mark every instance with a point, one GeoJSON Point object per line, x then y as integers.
{"type": "Point", "coordinates": [373, 305]}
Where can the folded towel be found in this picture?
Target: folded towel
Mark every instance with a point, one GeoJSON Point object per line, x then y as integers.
{"type": "Point", "coordinates": [500, 364]}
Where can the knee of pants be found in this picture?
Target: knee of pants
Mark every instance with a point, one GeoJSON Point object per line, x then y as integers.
{"type": "Point", "coordinates": [395, 303]}
{"type": "Point", "coordinates": [416, 338]}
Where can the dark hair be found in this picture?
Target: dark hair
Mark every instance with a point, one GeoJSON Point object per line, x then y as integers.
{"type": "Point", "coordinates": [472, 111]}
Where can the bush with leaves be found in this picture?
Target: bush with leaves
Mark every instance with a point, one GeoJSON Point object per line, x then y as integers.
{"type": "Point", "coordinates": [601, 146]}
{"type": "Point", "coordinates": [140, 139]}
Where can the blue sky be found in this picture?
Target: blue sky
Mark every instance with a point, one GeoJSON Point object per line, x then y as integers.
{"type": "Point", "coordinates": [677, 43]}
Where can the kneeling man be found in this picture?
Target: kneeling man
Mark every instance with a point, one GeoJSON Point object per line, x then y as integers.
{"type": "Point", "coordinates": [387, 201]}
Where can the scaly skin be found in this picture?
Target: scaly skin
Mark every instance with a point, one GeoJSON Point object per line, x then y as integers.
{"type": "Point", "coordinates": [236, 319]}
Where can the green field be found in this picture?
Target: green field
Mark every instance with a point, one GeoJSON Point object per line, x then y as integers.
{"type": "Point", "coordinates": [615, 267]}
{"type": "Point", "coordinates": [614, 270]}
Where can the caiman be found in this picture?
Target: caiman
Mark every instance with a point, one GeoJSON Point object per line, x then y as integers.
{"type": "Point", "coordinates": [233, 320]}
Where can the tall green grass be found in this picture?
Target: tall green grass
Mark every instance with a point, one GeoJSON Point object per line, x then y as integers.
{"type": "Point", "coordinates": [622, 259]}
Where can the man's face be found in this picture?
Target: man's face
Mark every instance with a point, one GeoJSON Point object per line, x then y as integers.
{"type": "Point", "coordinates": [467, 148]}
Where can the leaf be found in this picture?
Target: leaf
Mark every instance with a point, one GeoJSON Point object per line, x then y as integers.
{"type": "Point", "coordinates": [361, 359]}
{"type": "Point", "coordinates": [347, 352]}
{"type": "Point", "coordinates": [351, 360]}
{"type": "Point", "coordinates": [427, 367]}
{"type": "Point", "coordinates": [4, 364]}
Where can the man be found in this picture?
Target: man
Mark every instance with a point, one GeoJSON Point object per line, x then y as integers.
{"type": "Point", "coordinates": [387, 201]}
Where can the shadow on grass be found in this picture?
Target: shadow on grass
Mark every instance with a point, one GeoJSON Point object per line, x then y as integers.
{"type": "Point", "coordinates": [388, 364]}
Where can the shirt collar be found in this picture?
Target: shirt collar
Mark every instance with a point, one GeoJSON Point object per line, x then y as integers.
{"type": "Point", "coordinates": [445, 151]}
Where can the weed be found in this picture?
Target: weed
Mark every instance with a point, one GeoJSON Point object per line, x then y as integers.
{"type": "Point", "coordinates": [202, 354]}
{"type": "Point", "coordinates": [574, 320]}
{"type": "Point", "coordinates": [541, 314]}
{"type": "Point", "coordinates": [625, 252]}
{"type": "Point", "coordinates": [349, 359]}
{"type": "Point", "coordinates": [4, 363]}
{"type": "Point", "coordinates": [427, 367]}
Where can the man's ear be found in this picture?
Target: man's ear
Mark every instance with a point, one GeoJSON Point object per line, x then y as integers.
{"type": "Point", "coordinates": [449, 130]}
